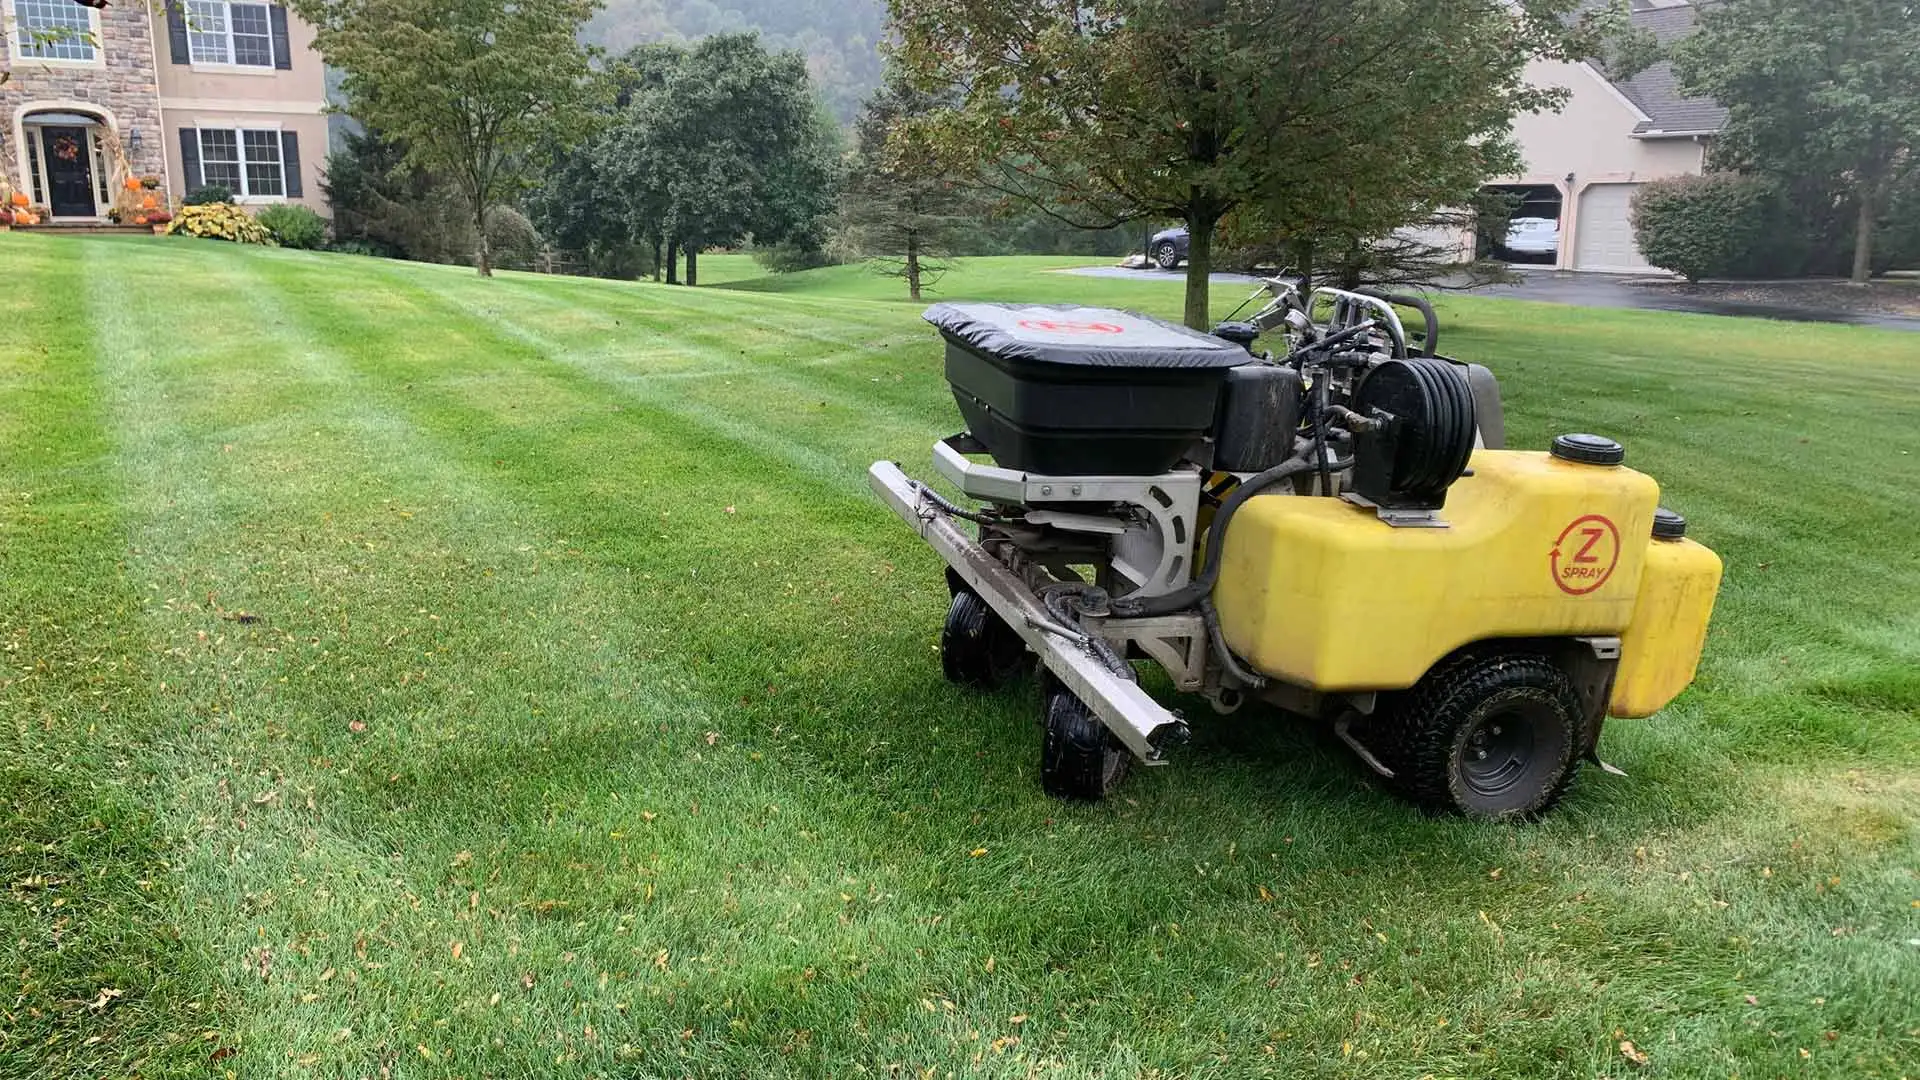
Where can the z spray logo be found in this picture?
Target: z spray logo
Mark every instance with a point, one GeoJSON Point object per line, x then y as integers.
{"type": "Point", "coordinates": [1585, 555]}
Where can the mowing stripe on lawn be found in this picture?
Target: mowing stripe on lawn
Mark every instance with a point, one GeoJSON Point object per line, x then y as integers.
{"type": "Point", "coordinates": [173, 461]}
{"type": "Point", "coordinates": [1258, 910]}
{"type": "Point", "coordinates": [97, 978]}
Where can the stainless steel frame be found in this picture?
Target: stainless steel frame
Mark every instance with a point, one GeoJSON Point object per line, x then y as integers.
{"type": "Point", "coordinates": [1177, 642]}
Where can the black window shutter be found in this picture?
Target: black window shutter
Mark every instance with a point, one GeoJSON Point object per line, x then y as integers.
{"type": "Point", "coordinates": [190, 158]}
{"type": "Point", "coordinates": [290, 162]}
{"type": "Point", "coordinates": [177, 31]}
{"type": "Point", "coordinates": [282, 50]}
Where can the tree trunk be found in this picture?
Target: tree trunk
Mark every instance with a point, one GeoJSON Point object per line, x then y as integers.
{"type": "Point", "coordinates": [1200, 224]}
{"type": "Point", "coordinates": [673, 261]}
{"type": "Point", "coordinates": [693, 264]}
{"type": "Point", "coordinates": [1302, 254]}
{"type": "Point", "coordinates": [482, 254]}
{"type": "Point", "coordinates": [913, 264]}
{"type": "Point", "coordinates": [1863, 237]}
{"type": "Point", "coordinates": [656, 258]}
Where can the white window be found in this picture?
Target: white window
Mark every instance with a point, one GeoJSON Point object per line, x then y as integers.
{"type": "Point", "coordinates": [53, 30]}
{"type": "Point", "coordinates": [245, 162]}
{"type": "Point", "coordinates": [222, 33]}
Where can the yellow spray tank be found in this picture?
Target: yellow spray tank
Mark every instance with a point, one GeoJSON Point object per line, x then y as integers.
{"type": "Point", "coordinates": [1326, 595]}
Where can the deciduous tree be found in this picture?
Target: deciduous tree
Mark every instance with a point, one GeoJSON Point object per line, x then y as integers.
{"type": "Point", "coordinates": [1107, 111]}
{"type": "Point", "coordinates": [1822, 93]}
{"type": "Point", "coordinates": [477, 90]}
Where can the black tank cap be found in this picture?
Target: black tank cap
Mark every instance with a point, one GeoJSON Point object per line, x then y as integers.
{"type": "Point", "coordinates": [1668, 525]}
{"type": "Point", "coordinates": [1589, 449]}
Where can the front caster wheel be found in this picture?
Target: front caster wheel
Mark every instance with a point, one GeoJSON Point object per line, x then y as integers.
{"type": "Point", "coordinates": [1494, 737]}
{"type": "Point", "coordinates": [978, 648]}
{"type": "Point", "coordinates": [1079, 757]}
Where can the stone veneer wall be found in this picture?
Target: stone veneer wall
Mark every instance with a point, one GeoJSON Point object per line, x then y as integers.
{"type": "Point", "coordinates": [124, 85]}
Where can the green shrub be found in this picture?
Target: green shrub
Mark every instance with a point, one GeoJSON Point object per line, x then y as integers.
{"type": "Point", "coordinates": [512, 239]}
{"type": "Point", "coordinates": [219, 221]}
{"type": "Point", "coordinates": [1705, 226]}
{"type": "Point", "coordinates": [208, 194]}
{"type": "Point", "coordinates": [294, 226]}
{"type": "Point", "coordinates": [787, 257]}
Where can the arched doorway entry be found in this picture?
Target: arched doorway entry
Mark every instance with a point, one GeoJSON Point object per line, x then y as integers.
{"type": "Point", "coordinates": [66, 160]}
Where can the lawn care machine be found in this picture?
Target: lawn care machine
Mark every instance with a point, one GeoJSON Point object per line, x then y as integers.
{"type": "Point", "coordinates": [1338, 531]}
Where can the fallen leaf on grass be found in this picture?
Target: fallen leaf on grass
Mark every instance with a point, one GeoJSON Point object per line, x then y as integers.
{"type": "Point", "coordinates": [356, 726]}
{"type": "Point", "coordinates": [1751, 1000]}
{"type": "Point", "coordinates": [457, 948]}
{"type": "Point", "coordinates": [1017, 1018]}
{"type": "Point", "coordinates": [976, 853]}
{"type": "Point", "coordinates": [1632, 1053]}
{"type": "Point", "coordinates": [107, 994]}
{"type": "Point", "coordinates": [222, 1054]}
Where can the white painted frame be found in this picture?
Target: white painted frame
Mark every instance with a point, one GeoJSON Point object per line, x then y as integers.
{"type": "Point", "coordinates": [16, 54]}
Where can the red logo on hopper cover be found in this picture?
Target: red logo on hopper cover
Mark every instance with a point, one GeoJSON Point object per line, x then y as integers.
{"type": "Point", "coordinates": [1054, 326]}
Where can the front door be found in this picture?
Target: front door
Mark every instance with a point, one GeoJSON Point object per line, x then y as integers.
{"type": "Point", "coordinates": [69, 161]}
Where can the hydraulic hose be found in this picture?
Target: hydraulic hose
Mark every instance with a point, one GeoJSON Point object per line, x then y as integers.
{"type": "Point", "coordinates": [1059, 599]}
{"type": "Point", "coordinates": [1202, 587]}
{"type": "Point", "coordinates": [1218, 639]}
{"type": "Point", "coordinates": [947, 506]}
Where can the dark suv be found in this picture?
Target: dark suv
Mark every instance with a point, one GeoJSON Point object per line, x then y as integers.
{"type": "Point", "coordinates": [1168, 248]}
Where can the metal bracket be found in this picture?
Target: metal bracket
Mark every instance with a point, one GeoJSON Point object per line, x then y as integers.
{"type": "Point", "coordinates": [1152, 555]}
{"type": "Point", "coordinates": [1399, 519]}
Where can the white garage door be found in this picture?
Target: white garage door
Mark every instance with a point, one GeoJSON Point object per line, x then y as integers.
{"type": "Point", "coordinates": [1605, 231]}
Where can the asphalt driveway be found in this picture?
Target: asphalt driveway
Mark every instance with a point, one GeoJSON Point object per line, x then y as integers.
{"type": "Point", "coordinates": [1762, 302]}
{"type": "Point", "coordinates": [1607, 291]}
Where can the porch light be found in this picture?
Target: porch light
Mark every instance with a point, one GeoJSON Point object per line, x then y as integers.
{"type": "Point", "coordinates": [133, 141]}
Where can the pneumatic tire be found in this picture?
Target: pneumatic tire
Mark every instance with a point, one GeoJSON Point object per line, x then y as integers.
{"type": "Point", "coordinates": [1495, 737]}
{"type": "Point", "coordinates": [1079, 757]}
{"type": "Point", "coordinates": [1166, 256]}
{"type": "Point", "coordinates": [977, 647]}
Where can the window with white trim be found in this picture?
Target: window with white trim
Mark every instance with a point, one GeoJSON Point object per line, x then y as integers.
{"type": "Point", "coordinates": [219, 32]}
{"type": "Point", "coordinates": [245, 161]}
{"type": "Point", "coordinates": [53, 30]}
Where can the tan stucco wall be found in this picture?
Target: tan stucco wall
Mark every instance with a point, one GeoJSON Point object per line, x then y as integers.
{"type": "Point", "coordinates": [1590, 141]}
{"type": "Point", "coordinates": [311, 127]}
{"type": "Point", "coordinates": [194, 95]}
{"type": "Point", "coordinates": [305, 83]}
{"type": "Point", "coordinates": [1592, 137]}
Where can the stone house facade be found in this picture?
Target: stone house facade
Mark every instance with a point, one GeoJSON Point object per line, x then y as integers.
{"type": "Point", "coordinates": [181, 93]}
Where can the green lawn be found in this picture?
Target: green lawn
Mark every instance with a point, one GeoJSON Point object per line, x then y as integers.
{"type": "Point", "coordinates": [414, 675]}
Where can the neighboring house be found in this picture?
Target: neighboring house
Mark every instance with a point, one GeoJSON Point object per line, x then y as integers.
{"type": "Point", "coordinates": [1585, 163]}
{"type": "Point", "coordinates": [202, 92]}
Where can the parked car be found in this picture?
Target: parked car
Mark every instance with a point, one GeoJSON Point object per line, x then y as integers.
{"type": "Point", "coordinates": [1168, 248]}
{"type": "Point", "coordinates": [1533, 236]}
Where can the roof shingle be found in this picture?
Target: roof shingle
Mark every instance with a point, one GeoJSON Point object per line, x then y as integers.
{"type": "Point", "coordinates": [1656, 91]}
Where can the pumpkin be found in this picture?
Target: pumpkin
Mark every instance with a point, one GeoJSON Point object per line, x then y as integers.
{"type": "Point", "coordinates": [20, 198]}
{"type": "Point", "coordinates": [133, 183]}
{"type": "Point", "coordinates": [148, 203]}
{"type": "Point", "coordinates": [140, 219]}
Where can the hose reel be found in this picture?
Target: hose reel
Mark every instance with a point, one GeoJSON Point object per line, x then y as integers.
{"type": "Point", "coordinates": [1422, 435]}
